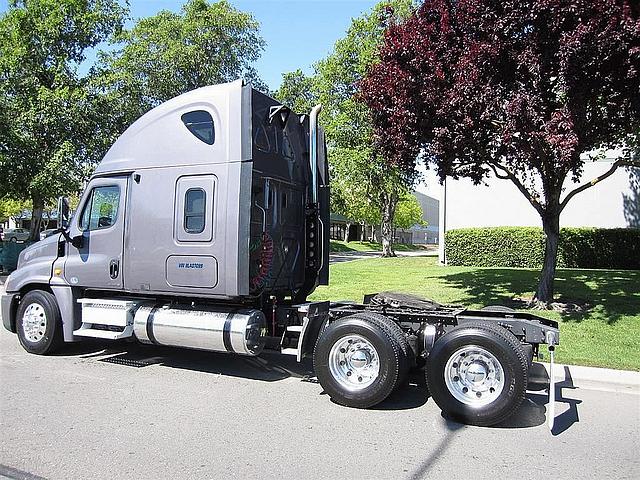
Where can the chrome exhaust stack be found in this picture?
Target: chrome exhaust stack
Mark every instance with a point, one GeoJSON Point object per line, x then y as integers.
{"type": "Point", "coordinates": [313, 151]}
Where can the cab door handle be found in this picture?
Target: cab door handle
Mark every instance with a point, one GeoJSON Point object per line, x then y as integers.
{"type": "Point", "coordinates": [114, 268]}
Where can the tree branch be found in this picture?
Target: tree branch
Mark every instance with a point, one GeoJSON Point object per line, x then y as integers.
{"type": "Point", "coordinates": [498, 175]}
{"type": "Point", "coordinates": [508, 175]}
{"type": "Point", "coordinates": [618, 163]}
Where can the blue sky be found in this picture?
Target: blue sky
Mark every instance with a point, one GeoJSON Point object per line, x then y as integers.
{"type": "Point", "coordinates": [298, 32]}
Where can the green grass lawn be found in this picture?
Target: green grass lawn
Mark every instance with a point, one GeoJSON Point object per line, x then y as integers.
{"type": "Point", "coordinates": [339, 246]}
{"type": "Point", "coordinates": [607, 334]}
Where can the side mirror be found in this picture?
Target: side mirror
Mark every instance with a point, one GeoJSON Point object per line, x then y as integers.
{"type": "Point", "coordinates": [63, 212]}
{"type": "Point", "coordinates": [77, 241]}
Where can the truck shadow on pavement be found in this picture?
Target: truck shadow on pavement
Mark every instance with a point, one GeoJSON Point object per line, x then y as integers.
{"type": "Point", "coordinates": [531, 413]}
{"type": "Point", "coordinates": [570, 415]}
{"type": "Point", "coordinates": [533, 410]}
{"type": "Point", "coordinates": [273, 367]}
{"type": "Point", "coordinates": [267, 367]}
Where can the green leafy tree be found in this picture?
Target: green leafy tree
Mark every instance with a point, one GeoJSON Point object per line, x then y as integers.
{"type": "Point", "coordinates": [297, 91]}
{"type": "Point", "coordinates": [361, 177]}
{"type": "Point", "coordinates": [408, 213]}
{"type": "Point", "coordinates": [49, 119]}
{"type": "Point", "coordinates": [172, 53]}
{"type": "Point", "coordinates": [10, 208]}
{"type": "Point", "coordinates": [349, 195]}
{"type": "Point", "coordinates": [364, 188]}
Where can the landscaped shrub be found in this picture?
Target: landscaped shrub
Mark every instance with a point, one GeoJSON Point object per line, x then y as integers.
{"type": "Point", "coordinates": [615, 248]}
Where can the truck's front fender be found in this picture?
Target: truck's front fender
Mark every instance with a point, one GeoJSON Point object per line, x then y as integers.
{"type": "Point", "coordinates": [34, 265]}
{"type": "Point", "coordinates": [32, 274]}
{"type": "Point", "coordinates": [8, 307]}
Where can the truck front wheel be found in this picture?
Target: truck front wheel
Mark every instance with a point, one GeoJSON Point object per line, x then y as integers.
{"type": "Point", "coordinates": [357, 362]}
{"type": "Point", "coordinates": [39, 325]}
{"type": "Point", "coordinates": [477, 373]}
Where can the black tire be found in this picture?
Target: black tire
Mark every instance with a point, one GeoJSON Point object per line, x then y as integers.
{"type": "Point", "coordinates": [504, 347]}
{"type": "Point", "coordinates": [388, 356]}
{"type": "Point", "coordinates": [50, 337]}
{"type": "Point", "coordinates": [407, 357]}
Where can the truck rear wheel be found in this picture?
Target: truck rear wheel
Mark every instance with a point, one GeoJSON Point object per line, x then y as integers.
{"type": "Point", "coordinates": [357, 362]}
{"type": "Point", "coordinates": [406, 355]}
{"type": "Point", "coordinates": [39, 325]}
{"type": "Point", "coordinates": [477, 373]}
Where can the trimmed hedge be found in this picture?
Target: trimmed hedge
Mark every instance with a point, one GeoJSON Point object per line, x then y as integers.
{"type": "Point", "coordinates": [523, 247]}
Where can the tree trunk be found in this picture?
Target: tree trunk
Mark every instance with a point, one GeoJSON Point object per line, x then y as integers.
{"type": "Point", "coordinates": [386, 228]}
{"type": "Point", "coordinates": [36, 218]}
{"type": "Point", "coordinates": [551, 227]}
{"type": "Point", "coordinates": [363, 231]}
{"type": "Point", "coordinates": [346, 232]}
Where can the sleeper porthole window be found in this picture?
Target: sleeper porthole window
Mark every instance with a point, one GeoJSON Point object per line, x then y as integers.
{"type": "Point", "coordinates": [200, 123]}
{"type": "Point", "coordinates": [195, 200]}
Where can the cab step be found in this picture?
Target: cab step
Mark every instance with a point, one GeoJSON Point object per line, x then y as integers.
{"type": "Point", "coordinates": [312, 315]}
{"type": "Point", "coordinates": [86, 331]}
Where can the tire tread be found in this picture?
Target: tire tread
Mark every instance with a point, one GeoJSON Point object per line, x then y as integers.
{"type": "Point", "coordinates": [49, 302]}
{"type": "Point", "coordinates": [379, 395]}
{"type": "Point", "coordinates": [515, 345]}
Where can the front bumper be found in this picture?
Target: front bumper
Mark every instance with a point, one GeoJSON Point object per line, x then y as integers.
{"type": "Point", "coordinates": [8, 306]}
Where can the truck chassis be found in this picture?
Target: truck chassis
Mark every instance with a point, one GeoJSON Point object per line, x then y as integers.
{"type": "Point", "coordinates": [478, 363]}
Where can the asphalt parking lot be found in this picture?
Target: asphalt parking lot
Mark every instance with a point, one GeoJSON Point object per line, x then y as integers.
{"type": "Point", "coordinates": [120, 411]}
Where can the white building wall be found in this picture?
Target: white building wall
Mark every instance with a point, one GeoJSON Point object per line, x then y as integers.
{"type": "Point", "coordinates": [615, 202]}
{"type": "Point", "coordinates": [430, 214]}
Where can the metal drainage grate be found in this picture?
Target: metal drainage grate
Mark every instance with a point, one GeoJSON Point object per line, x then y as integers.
{"type": "Point", "coordinates": [130, 362]}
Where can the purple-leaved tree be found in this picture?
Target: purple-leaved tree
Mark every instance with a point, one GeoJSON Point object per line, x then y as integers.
{"type": "Point", "coordinates": [515, 88]}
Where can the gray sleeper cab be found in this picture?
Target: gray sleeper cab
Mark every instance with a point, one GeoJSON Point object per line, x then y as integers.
{"type": "Point", "coordinates": [203, 196]}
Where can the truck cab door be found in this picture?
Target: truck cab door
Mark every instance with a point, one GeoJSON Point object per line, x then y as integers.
{"type": "Point", "coordinates": [94, 259]}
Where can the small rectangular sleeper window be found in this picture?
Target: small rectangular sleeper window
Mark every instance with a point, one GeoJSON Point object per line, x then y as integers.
{"type": "Point", "coordinates": [195, 200]}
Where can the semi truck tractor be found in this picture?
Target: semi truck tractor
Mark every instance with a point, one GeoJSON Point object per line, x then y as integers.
{"type": "Point", "coordinates": [206, 226]}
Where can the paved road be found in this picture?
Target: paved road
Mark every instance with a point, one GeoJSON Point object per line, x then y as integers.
{"type": "Point", "coordinates": [103, 411]}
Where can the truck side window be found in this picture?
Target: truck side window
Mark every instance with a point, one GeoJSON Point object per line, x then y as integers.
{"type": "Point", "coordinates": [194, 210]}
{"type": "Point", "coordinates": [200, 124]}
{"type": "Point", "coordinates": [101, 209]}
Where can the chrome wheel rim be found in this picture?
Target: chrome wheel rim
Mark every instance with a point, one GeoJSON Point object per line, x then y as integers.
{"type": "Point", "coordinates": [354, 362]}
{"type": "Point", "coordinates": [34, 322]}
{"type": "Point", "coordinates": [474, 376]}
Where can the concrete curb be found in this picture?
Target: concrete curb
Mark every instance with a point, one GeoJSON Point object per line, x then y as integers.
{"type": "Point", "coordinates": [592, 378]}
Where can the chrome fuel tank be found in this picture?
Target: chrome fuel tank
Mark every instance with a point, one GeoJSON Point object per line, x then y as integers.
{"type": "Point", "coordinates": [239, 331]}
